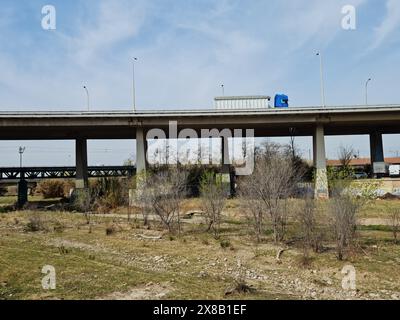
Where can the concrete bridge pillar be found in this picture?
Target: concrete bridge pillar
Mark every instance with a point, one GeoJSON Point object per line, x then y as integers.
{"type": "Point", "coordinates": [227, 167]}
{"type": "Point", "coordinates": [226, 163]}
{"type": "Point", "coordinates": [141, 151]}
{"type": "Point", "coordinates": [376, 147]}
{"type": "Point", "coordinates": [81, 181]}
{"type": "Point", "coordinates": [141, 165]}
{"type": "Point", "coordinates": [321, 178]}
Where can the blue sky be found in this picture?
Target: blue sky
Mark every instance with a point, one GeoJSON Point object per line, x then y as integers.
{"type": "Point", "coordinates": [186, 50]}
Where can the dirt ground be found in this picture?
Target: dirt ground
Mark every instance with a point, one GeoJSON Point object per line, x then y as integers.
{"type": "Point", "coordinates": [113, 258]}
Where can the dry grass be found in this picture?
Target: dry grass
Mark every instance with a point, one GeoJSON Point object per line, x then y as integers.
{"type": "Point", "coordinates": [194, 266]}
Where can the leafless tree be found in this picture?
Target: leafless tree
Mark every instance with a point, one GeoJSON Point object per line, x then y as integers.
{"type": "Point", "coordinates": [273, 181]}
{"type": "Point", "coordinates": [310, 233]}
{"type": "Point", "coordinates": [344, 207]}
{"type": "Point", "coordinates": [213, 198]}
{"type": "Point", "coordinates": [80, 200]}
{"type": "Point", "coordinates": [164, 193]}
{"type": "Point", "coordinates": [345, 155]}
{"type": "Point", "coordinates": [255, 211]}
{"type": "Point", "coordinates": [144, 195]}
{"type": "Point", "coordinates": [395, 222]}
{"type": "Point", "coordinates": [346, 201]}
{"type": "Point", "coordinates": [292, 148]}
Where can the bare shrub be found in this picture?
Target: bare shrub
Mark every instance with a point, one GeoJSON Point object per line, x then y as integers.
{"type": "Point", "coordinates": [240, 285]}
{"type": "Point", "coordinates": [195, 175]}
{"type": "Point", "coordinates": [35, 224]}
{"type": "Point", "coordinates": [347, 198]}
{"type": "Point", "coordinates": [343, 208]}
{"type": "Point", "coordinates": [3, 190]}
{"type": "Point", "coordinates": [63, 250]}
{"type": "Point", "coordinates": [109, 193]}
{"type": "Point", "coordinates": [254, 209]}
{"type": "Point", "coordinates": [395, 222]}
{"type": "Point", "coordinates": [102, 196]}
{"type": "Point", "coordinates": [163, 193]}
{"type": "Point", "coordinates": [110, 230]}
{"type": "Point", "coordinates": [51, 188]}
{"type": "Point", "coordinates": [143, 195]}
{"type": "Point", "coordinates": [267, 190]}
{"type": "Point", "coordinates": [81, 200]}
{"type": "Point", "coordinates": [213, 199]}
{"type": "Point", "coordinates": [225, 243]}
{"type": "Point", "coordinates": [309, 230]}
{"type": "Point", "coordinates": [58, 227]}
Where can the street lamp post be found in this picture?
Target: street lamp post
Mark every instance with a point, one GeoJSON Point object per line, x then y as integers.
{"type": "Point", "coordinates": [22, 184]}
{"type": "Point", "coordinates": [87, 97]}
{"type": "Point", "coordinates": [21, 150]}
{"type": "Point", "coordinates": [366, 91]}
{"type": "Point", "coordinates": [133, 84]}
{"type": "Point", "coordinates": [321, 68]}
{"type": "Point", "coordinates": [223, 90]}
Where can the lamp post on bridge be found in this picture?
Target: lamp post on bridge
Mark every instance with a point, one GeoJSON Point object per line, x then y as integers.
{"type": "Point", "coordinates": [321, 69]}
{"type": "Point", "coordinates": [87, 98]}
{"type": "Point", "coordinates": [366, 91]}
{"type": "Point", "coordinates": [133, 84]}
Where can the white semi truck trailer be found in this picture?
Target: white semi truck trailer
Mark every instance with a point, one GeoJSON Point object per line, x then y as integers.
{"type": "Point", "coordinates": [242, 102]}
{"type": "Point", "coordinates": [251, 102]}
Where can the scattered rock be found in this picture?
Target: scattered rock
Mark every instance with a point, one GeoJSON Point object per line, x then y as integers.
{"type": "Point", "coordinates": [149, 291]}
{"type": "Point", "coordinates": [327, 281]}
{"type": "Point", "coordinates": [240, 287]}
{"type": "Point", "coordinates": [202, 274]}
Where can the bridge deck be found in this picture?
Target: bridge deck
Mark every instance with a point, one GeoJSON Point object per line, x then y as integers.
{"type": "Point", "coordinates": [339, 120]}
{"type": "Point", "coordinates": [197, 112]}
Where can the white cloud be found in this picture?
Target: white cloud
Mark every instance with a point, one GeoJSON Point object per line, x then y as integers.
{"type": "Point", "coordinates": [185, 53]}
{"type": "Point", "coordinates": [186, 49]}
{"type": "Point", "coordinates": [317, 22]}
{"type": "Point", "coordinates": [388, 25]}
{"type": "Point", "coordinates": [115, 21]}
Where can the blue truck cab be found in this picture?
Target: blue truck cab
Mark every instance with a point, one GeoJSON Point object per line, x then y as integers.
{"type": "Point", "coordinates": [281, 101]}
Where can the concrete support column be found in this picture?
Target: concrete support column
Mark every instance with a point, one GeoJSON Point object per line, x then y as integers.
{"type": "Point", "coordinates": [22, 192]}
{"type": "Point", "coordinates": [226, 163]}
{"type": "Point", "coordinates": [227, 167]}
{"type": "Point", "coordinates": [376, 147]}
{"type": "Point", "coordinates": [141, 151]}
{"type": "Point", "coordinates": [81, 181]}
{"type": "Point", "coordinates": [321, 178]}
{"type": "Point", "coordinates": [141, 166]}
{"type": "Point", "coordinates": [376, 150]}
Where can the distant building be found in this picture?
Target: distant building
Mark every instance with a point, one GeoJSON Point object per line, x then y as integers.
{"type": "Point", "coordinates": [361, 162]}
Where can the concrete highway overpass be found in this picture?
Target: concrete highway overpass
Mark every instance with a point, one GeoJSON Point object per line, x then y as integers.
{"type": "Point", "coordinates": [316, 122]}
